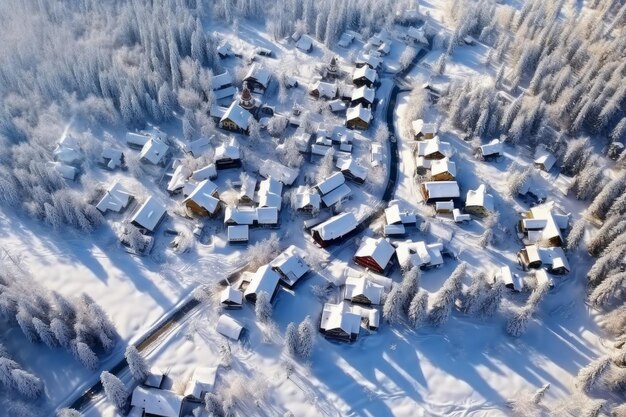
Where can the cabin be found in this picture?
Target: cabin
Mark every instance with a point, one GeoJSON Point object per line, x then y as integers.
{"type": "Point", "coordinates": [266, 217]}
{"type": "Point", "coordinates": [240, 216]}
{"type": "Point", "coordinates": [65, 171]}
{"type": "Point", "coordinates": [543, 224]}
{"type": "Point", "coordinates": [393, 215]}
{"type": "Point", "coordinates": [374, 254]}
{"type": "Point", "coordinates": [370, 60]}
{"type": "Point", "coordinates": [364, 77]}
{"type": "Point", "coordinates": [361, 290]}
{"type": "Point", "coordinates": [331, 183]}
{"type": "Point", "coordinates": [154, 152]}
{"type": "Point", "coordinates": [358, 117]}
{"type": "Point", "coordinates": [265, 279]}
{"type": "Point", "coordinates": [197, 147]}
{"type": "Point", "coordinates": [491, 150]}
{"type": "Point", "coordinates": [248, 187]}
{"type": "Point", "coordinates": [229, 327]}
{"type": "Point", "coordinates": [201, 383]}
{"type": "Point", "coordinates": [208, 172]}
{"type": "Point", "coordinates": [419, 254]}
{"type": "Point", "coordinates": [116, 198]}
{"type": "Point", "coordinates": [422, 131]}
{"type": "Point", "coordinates": [555, 260]}
{"type": "Point", "coordinates": [432, 149]}
{"type": "Point", "coordinates": [137, 140]}
{"type": "Point", "coordinates": [345, 40]}
{"type": "Point", "coordinates": [544, 160]}
{"type": "Point", "coordinates": [238, 234]}
{"type": "Point", "coordinates": [156, 402]}
{"type": "Point", "coordinates": [203, 200]}
{"type": "Point", "coordinates": [149, 215]}
{"type": "Point", "coordinates": [417, 36]}
{"type": "Point", "coordinates": [478, 202]}
{"type": "Point", "coordinates": [460, 217]}
{"type": "Point", "coordinates": [352, 171]}
{"type": "Point", "coordinates": [529, 257]}
{"type": "Point", "coordinates": [512, 281]}
{"type": "Point", "coordinates": [434, 191]}
{"type": "Point", "coordinates": [305, 44]}
{"type": "Point", "coordinates": [337, 106]}
{"type": "Point", "coordinates": [68, 151]}
{"type": "Point", "coordinates": [363, 96]}
{"type": "Point", "coordinates": [334, 229]}
{"type": "Point", "coordinates": [278, 171]}
{"type": "Point", "coordinates": [291, 267]}
{"type": "Point", "coordinates": [258, 78]}
{"type": "Point", "coordinates": [236, 118]}
{"type": "Point", "coordinates": [111, 158]}
{"type": "Point", "coordinates": [443, 170]}
{"type": "Point", "coordinates": [444, 207]}
{"type": "Point", "coordinates": [270, 193]}
{"type": "Point", "coordinates": [339, 322]}
{"type": "Point", "coordinates": [178, 178]}
{"type": "Point", "coordinates": [227, 155]}
{"type": "Point", "coordinates": [231, 298]}
{"type": "Point", "coordinates": [324, 90]}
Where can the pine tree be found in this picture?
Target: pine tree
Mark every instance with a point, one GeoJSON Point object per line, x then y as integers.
{"type": "Point", "coordinates": [410, 285]}
{"type": "Point", "coordinates": [418, 309]}
{"type": "Point", "coordinates": [493, 298]}
{"type": "Point", "coordinates": [446, 296]}
{"type": "Point", "coordinates": [213, 405]}
{"type": "Point", "coordinates": [539, 394]}
{"type": "Point", "coordinates": [114, 389]}
{"type": "Point", "coordinates": [306, 338]}
{"type": "Point", "coordinates": [291, 339]}
{"type": "Point", "coordinates": [62, 333]}
{"type": "Point", "coordinates": [609, 289]}
{"type": "Point", "coordinates": [25, 321]}
{"type": "Point", "coordinates": [392, 308]}
{"type": "Point", "coordinates": [591, 374]}
{"type": "Point", "coordinates": [610, 229]}
{"type": "Point", "coordinates": [592, 408]}
{"type": "Point", "coordinates": [68, 412]}
{"type": "Point", "coordinates": [605, 264]}
{"type": "Point", "coordinates": [136, 364]}
{"type": "Point", "coordinates": [475, 296]}
{"type": "Point", "coordinates": [517, 324]}
{"type": "Point", "coordinates": [263, 307]}
{"type": "Point", "coordinates": [85, 355]}
{"type": "Point", "coordinates": [46, 335]}
{"type": "Point", "coordinates": [603, 201]}
{"type": "Point", "coordinates": [27, 384]}
{"type": "Point", "coordinates": [575, 235]}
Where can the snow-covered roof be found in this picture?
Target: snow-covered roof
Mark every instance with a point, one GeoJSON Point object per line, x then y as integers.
{"type": "Point", "coordinates": [271, 185]}
{"type": "Point", "coordinates": [267, 215]}
{"type": "Point", "coordinates": [67, 155]}
{"type": "Point", "coordinates": [179, 178]}
{"type": "Point", "coordinates": [198, 146]}
{"type": "Point", "coordinates": [444, 205]}
{"type": "Point", "coordinates": [551, 221]}
{"type": "Point", "coordinates": [321, 150]}
{"type": "Point", "coordinates": [221, 94]}
{"type": "Point", "coordinates": [137, 139]}
{"type": "Point", "coordinates": [392, 214]}
{"type": "Point", "coordinates": [240, 216]}
{"type": "Point", "coordinates": [492, 148]}
{"type": "Point", "coordinates": [325, 90]}
{"type": "Point", "coordinates": [225, 49]}
{"type": "Point", "coordinates": [442, 189]}
{"type": "Point", "coordinates": [265, 279]}
{"type": "Point", "coordinates": [369, 59]}
{"type": "Point", "coordinates": [282, 173]}
{"type": "Point", "coordinates": [306, 197]}
{"type": "Point", "coordinates": [154, 378]}
{"type": "Point", "coordinates": [359, 112]}
{"type": "Point", "coordinates": [228, 150]}
{"type": "Point", "coordinates": [157, 402]}
{"type": "Point", "coordinates": [330, 183]}
{"type": "Point", "coordinates": [380, 250]}
{"type": "Point", "coordinates": [418, 254]}
{"type": "Point", "coordinates": [202, 195]}
{"type": "Point", "coordinates": [115, 198]}
{"type": "Point", "coordinates": [394, 229]}
{"type": "Point", "coordinates": [515, 281]}
{"type": "Point", "coordinates": [442, 166]}
{"type": "Point", "coordinates": [365, 72]}
{"type": "Point", "coordinates": [479, 198]}
{"type": "Point", "coordinates": [305, 43]}
{"type": "Point", "coordinates": [424, 128]}
{"type": "Point", "coordinates": [65, 171]}
{"type": "Point", "coordinates": [202, 381]}
{"type": "Point", "coordinates": [238, 115]}
{"type": "Point", "coordinates": [154, 151]}
{"type": "Point", "coordinates": [248, 186]}
{"type": "Point", "coordinates": [337, 226]}
{"type": "Point", "coordinates": [545, 160]}
{"type": "Point", "coordinates": [350, 165]}
{"type": "Point", "coordinates": [238, 233]}
{"type": "Point", "coordinates": [291, 267]}
{"type": "Point", "coordinates": [340, 317]}
{"type": "Point", "coordinates": [385, 47]}
{"type": "Point", "coordinates": [555, 257]}
{"type": "Point", "coordinates": [267, 199]}
{"type": "Point", "coordinates": [417, 34]}
{"type": "Point", "coordinates": [377, 154]}
{"type": "Point", "coordinates": [429, 147]}
{"type": "Point", "coordinates": [459, 217]}
{"type": "Point", "coordinates": [114, 156]}
{"type": "Point", "coordinates": [221, 80]}
{"type": "Point", "coordinates": [231, 294]}
{"type": "Point", "coordinates": [337, 105]}
{"type": "Point", "coordinates": [207, 172]}
{"type": "Point", "coordinates": [260, 74]}
{"type": "Point", "coordinates": [363, 287]}
{"type": "Point", "coordinates": [345, 40]}
{"type": "Point", "coordinates": [336, 195]}
{"type": "Point", "coordinates": [149, 214]}
{"type": "Point", "coordinates": [365, 93]}
{"type": "Point", "coordinates": [532, 251]}
{"type": "Point", "coordinates": [229, 327]}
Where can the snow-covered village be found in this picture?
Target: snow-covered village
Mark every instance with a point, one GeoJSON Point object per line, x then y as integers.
{"type": "Point", "coordinates": [301, 208]}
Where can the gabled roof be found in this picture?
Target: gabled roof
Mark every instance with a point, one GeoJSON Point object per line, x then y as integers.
{"type": "Point", "coordinates": [377, 154]}
{"type": "Point", "coordinates": [336, 195]}
{"type": "Point", "coordinates": [240, 216]}
{"type": "Point", "coordinates": [114, 156]}
{"type": "Point", "coordinates": [238, 115]}
{"type": "Point", "coordinates": [154, 151]}
{"type": "Point", "coordinates": [222, 80]}
{"type": "Point", "coordinates": [202, 381]}
{"type": "Point", "coordinates": [337, 105]}
{"type": "Point", "coordinates": [231, 294]}
{"type": "Point", "coordinates": [291, 266]}
{"type": "Point", "coordinates": [442, 189]}
{"type": "Point", "coordinates": [157, 402]}
{"type": "Point", "coordinates": [355, 169]}
{"type": "Point", "coordinates": [66, 171]}
{"type": "Point", "coordinates": [205, 173]}
{"type": "Point", "coordinates": [238, 233]}
{"type": "Point", "coordinates": [545, 159]}
{"type": "Point", "coordinates": [228, 150]}
{"type": "Point", "coordinates": [362, 286]}
{"type": "Point", "coordinates": [304, 43]}
{"type": "Point", "coordinates": [504, 274]}
{"type": "Point", "coordinates": [229, 327]}
{"type": "Point", "coordinates": [198, 146]}
{"type": "Point", "coordinates": [369, 59]}
{"type": "Point", "coordinates": [267, 215]}
{"type": "Point", "coordinates": [552, 221]}
{"type": "Point", "coordinates": [330, 183]}
{"type": "Point", "coordinates": [554, 257]}
{"type": "Point", "coordinates": [282, 173]}
{"type": "Point", "coordinates": [202, 195]}
{"type": "Point", "coordinates": [267, 199]}
{"type": "Point", "coordinates": [337, 226]}
{"type": "Point", "coordinates": [365, 93]}
{"type": "Point", "coordinates": [340, 317]}
{"type": "Point", "coordinates": [265, 279]}
{"type": "Point", "coordinates": [442, 166]}
{"type": "Point", "coordinates": [380, 250]}
{"type": "Point", "coordinates": [417, 34]}
{"type": "Point", "coordinates": [115, 199]}
{"type": "Point", "coordinates": [479, 198]}
{"type": "Point", "coordinates": [179, 178]}
{"type": "Point", "coordinates": [137, 139]}
{"type": "Point", "coordinates": [271, 185]}
{"type": "Point", "coordinates": [365, 72]}
{"type": "Point", "coordinates": [418, 254]}
{"type": "Point", "coordinates": [307, 197]}
{"type": "Point", "coordinates": [425, 128]}
{"type": "Point", "coordinates": [149, 214]}
{"type": "Point", "coordinates": [325, 90]}
{"type": "Point", "coordinates": [432, 146]}
{"type": "Point", "coordinates": [248, 186]}
{"type": "Point", "coordinates": [492, 148]}
{"type": "Point", "coordinates": [259, 74]}
{"type": "Point", "coordinates": [359, 112]}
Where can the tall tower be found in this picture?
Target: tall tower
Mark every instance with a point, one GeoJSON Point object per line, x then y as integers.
{"type": "Point", "coordinates": [332, 67]}
{"type": "Point", "coordinates": [246, 101]}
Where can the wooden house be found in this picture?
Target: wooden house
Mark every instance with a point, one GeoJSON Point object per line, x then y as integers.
{"type": "Point", "coordinates": [334, 229]}
{"type": "Point", "coordinates": [479, 202]}
{"type": "Point", "coordinates": [204, 199]}
{"type": "Point", "coordinates": [358, 117]}
{"type": "Point", "coordinates": [374, 254]}
{"type": "Point", "coordinates": [443, 170]}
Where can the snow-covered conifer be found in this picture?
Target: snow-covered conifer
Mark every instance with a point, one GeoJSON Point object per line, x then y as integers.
{"type": "Point", "coordinates": [611, 228]}
{"type": "Point", "coordinates": [493, 298]}
{"type": "Point", "coordinates": [592, 408]}
{"type": "Point", "coordinates": [392, 308]}
{"type": "Point", "coordinates": [410, 285]}
{"type": "Point", "coordinates": [540, 393]}
{"type": "Point", "coordinates": [85, 355]}
{"type": "Point", "coordinates": [263, 307]}
{"type": "Point", "coordinates": [609, 289]}
{"type": "Point", "coordinates": [326, 166]}
{"type": "Point", "coordinates": [306, 337]}
{"type": "Point", "coordinates": [474, 297]}
{"type": "Point", "coordinates": [517, 324]}
{"type": "Point", "coordinates": [418, 309]}
{"type": "Point", "coordinates": [26, 383]}
{"type": "Point", "coordinates": [62, 332]}
{"type": "Point", "coordinates": [575, 235]}
{"type": "Point", "coordinates": [46, 335]}
{"type": "Point", "coordinates": [25, 321]}
{"type": "Point", "coordinates": [446, 296]}
{"type": "Point", "coordinates": [136, 364]}
{"type": "Point", "coordinates": [68, 412]}
{"type": "Point", "coordinates": [114, 389]}
{"type": "Point", "coordinates": [213, 404]}
{"type": "Point", "coordinates": [603, 201]}
{"type": "Point", "coordinates": [591, 374]}
{"type": "Point", "coordinates": [291, 339]}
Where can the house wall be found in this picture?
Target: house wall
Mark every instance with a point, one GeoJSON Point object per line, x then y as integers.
{"type": "Point", "coordinates": [477, 211]}
{"type": "Point", "coordinates": [357, 124]}
{"type": "Point", "coordinates": [444, 176]}
{"type": "Point", "coordinates": [368, 262]}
